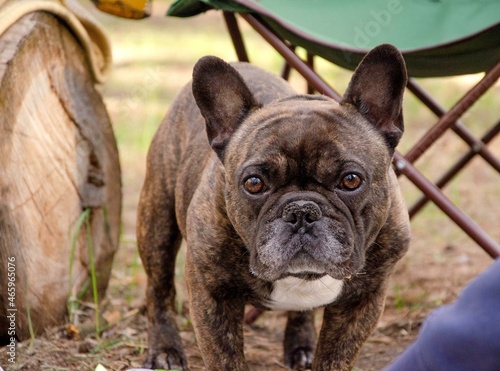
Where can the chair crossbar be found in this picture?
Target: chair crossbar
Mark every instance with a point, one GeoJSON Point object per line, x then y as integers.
{"type": "Point", "coordinates": [458, 127]}
{"type": "Point", "coordinates": [457, 167]}
{"type": "Point", "coordinates": [448, 118]}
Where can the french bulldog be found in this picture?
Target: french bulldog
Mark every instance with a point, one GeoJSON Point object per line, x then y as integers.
{"type": "Point", "coordinates": [286, 202]}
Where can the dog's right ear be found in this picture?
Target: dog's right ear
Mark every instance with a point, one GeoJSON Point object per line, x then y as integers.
{"type": "Point", "coordinates": [223, 98]}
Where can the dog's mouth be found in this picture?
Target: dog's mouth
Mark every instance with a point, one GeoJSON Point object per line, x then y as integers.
{"type": "Point", "coordinates": [309, 268]}
{"type": "Point", "coordinates": [307, 276]}
{"type": "Point", "coordinates": [305, 267]}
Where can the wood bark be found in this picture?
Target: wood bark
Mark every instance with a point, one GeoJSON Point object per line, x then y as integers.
{"type": "Point", "coordinates": [58, 158]}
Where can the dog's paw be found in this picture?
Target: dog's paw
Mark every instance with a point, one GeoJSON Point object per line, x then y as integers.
{"type": "Point", "coordinates": [171, 360]}
{"type": "Point", "coordinates": [300, 340]}
{"type": "Point", "coordinates": [300, 358]}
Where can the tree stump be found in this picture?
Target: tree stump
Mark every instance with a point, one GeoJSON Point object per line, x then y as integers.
{"type": "Point", "coordinates": [58, 161]}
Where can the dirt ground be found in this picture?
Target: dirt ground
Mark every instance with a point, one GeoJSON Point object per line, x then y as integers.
{"type": "Point", "coordinates": [440, 262]}
{"type": "Point", "coordinates": [416, 289]}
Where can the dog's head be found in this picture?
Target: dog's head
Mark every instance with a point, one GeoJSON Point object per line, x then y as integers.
{"type": "Point", "coordinates": [308, 183]}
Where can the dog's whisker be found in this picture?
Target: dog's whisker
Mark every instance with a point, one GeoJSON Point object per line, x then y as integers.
{"type": "Point", "coordinates": [297, 284]}
{"type": "Point", "coordinates": [325, 285]}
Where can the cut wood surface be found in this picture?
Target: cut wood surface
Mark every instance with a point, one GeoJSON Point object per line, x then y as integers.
{"type": "Point", "coordinates": [58, 158]}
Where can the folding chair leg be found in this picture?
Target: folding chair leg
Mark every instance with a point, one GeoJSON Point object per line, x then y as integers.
{"type": "Point", "coordinates": [236, 38]}
{"type": "Point", "coordinates": [460, 164]}
{"type": "Point", "coordinates": [285, 71]}
{"type": "Point", "coordinates": [310, 63]}
{"type": "Point", "coordinates": [441, 201]}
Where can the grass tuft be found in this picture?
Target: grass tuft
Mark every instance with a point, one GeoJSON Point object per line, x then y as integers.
{"type": "Point", "coordinates": [93, 277]}
{"type": "Point", "coordinates": [74, 302]}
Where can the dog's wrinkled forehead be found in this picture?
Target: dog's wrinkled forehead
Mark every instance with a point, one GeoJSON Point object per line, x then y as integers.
{"type": "Point", "coordinates": [303, 126]}
{"type": "Point", "coordinates": [289, 119]}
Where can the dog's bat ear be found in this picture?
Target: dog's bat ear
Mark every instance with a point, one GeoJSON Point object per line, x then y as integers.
{"type": "Point", "coordinates": [376, 90]}
{"type": "Point", "coordinates": [223, 99]}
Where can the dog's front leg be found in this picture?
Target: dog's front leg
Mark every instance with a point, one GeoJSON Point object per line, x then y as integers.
{"type": "Point", "coordinates": [346, 326]}
{"type": "Point", "coordinates": [217, 312]}
{"type": "Point", "coordinates": [300, 340]}
{"type": "Point", "coordinates": [159, 239]}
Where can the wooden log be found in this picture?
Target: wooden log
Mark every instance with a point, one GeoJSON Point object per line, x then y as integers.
{"type": "Point", "coordinates": [58, 158]}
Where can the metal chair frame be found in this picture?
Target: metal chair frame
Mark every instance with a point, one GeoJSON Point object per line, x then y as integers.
{"type": "Point", "coordinates": [403, 163]}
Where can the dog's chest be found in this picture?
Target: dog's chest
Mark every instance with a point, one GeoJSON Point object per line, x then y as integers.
{"type": "Point", "coordinates": [296, 294]}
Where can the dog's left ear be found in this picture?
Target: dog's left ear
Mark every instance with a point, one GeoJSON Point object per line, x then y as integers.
{"type": "Point", "coordinates": [376, 90]}
{"type": "Point", "coordinates": [223, 98]}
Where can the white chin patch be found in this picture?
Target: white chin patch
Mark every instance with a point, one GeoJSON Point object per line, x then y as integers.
{"type": "Point", "coordinates": [293, 293]}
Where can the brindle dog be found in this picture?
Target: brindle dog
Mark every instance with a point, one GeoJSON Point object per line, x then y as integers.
{"type": "Point", "coordinates": [291, 204]}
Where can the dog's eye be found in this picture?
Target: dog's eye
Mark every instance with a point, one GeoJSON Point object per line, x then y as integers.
{"type": "Point", "coordinates": [350, 182]}
{"type": "Point", "coordinates": [254, 185]}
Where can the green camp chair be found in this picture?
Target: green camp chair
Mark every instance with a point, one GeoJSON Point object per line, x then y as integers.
{"type": "Point", "coordinates": [436, 37]}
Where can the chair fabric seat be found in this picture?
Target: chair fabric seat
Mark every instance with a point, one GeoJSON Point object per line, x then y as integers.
{"type": "Point", "coordinates": [437, 37]}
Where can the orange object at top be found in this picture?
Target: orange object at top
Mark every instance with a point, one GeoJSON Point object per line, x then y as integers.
{"type": "Point", "coordinates": [132, 9]}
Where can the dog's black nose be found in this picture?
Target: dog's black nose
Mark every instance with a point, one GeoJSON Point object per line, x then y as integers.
{"type": "Point", "coordinates": [301, 214]}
